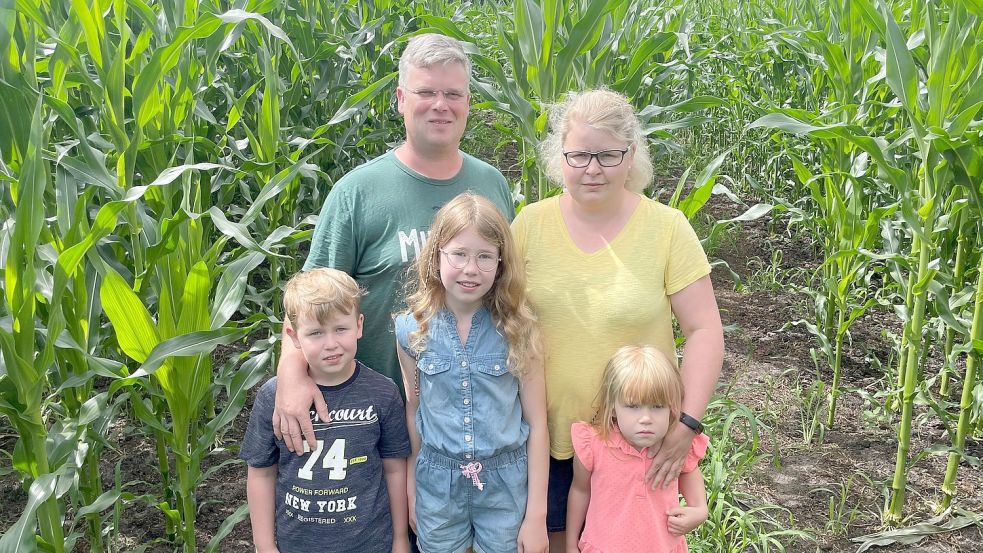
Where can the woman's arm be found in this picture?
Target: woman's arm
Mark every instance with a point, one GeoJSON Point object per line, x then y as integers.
{"type": "Point", "coordinates": [577, 503]}
{"type": "Point", "coordinates": [695, 307]}
{"type": "Point", "coordinates": [295, 392]}
{"type": "Point", "coordinates": [408, 369]}
{"type": "Point", "coordinates": [683, 520]}
{"type": "Point", "coordinates": [532, 396]}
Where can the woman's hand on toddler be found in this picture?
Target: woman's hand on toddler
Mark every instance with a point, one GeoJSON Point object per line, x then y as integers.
{"type": "Point", "coordinates": [683, 520]}
{"type": "Point", "coordinates": [667, 462]}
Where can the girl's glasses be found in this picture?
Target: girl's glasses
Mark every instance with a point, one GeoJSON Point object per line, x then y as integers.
{"type": "Point", "coordinates": [458, 259]}
{"type": "Point", "coordinates": [607, 158]}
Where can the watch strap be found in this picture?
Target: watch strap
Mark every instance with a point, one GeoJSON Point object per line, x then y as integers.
{"type": "Point", "coordinates": [692, 423]}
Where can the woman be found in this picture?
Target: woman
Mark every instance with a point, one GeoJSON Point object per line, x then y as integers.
{"type": "Point", "coordinates": [609, 267]}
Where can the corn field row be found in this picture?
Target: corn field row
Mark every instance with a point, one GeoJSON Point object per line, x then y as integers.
{"type": "Point", "coordinates": [162, 164]}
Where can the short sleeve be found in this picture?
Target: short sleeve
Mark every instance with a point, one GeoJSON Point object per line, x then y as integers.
{"type": "Point", "coordinates": [394, 440]}
{"type": "Point", "coordinates": [696, 452]}
{"type": "Point", "coordinates": [405, 324]}
{"type": "Point", "coordinates": [519, 231]}
{"type": "Point", "coordinates": [333, 244]}
{"type": "Point", "coordinates": [582, 436]}
{"type": "Point", "coordinates": [259, 448]}
{"type": "Point", "coordinates": [687, 262]}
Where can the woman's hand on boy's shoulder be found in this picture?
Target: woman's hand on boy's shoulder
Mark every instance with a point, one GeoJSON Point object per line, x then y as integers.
{"type": "Point", "coordinates": [683, 520]}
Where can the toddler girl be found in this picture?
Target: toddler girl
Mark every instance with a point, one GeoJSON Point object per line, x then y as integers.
{"type": "Point", "coordinates": [639, 402]}
{"type": "Point", "coordinates": [476, 409]}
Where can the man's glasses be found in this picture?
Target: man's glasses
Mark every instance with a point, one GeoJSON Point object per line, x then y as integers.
{"type": "Point", "coordinates": [606, 158]}
{"type": "Point", "coordinates": [450, 96]}
{"type": "Point", "coordinates": [485, 261]}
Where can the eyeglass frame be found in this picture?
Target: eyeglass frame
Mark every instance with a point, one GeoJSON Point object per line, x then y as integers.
{"type": "Point", "coordinates": [425, 93]}
{"type": "Point", "coordinates": [595, 155]}
{"type": "Point", "coordinates": [471, 256]}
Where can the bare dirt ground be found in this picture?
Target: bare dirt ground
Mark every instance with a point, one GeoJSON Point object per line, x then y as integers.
{"type": "Point", "coordinates": [767, 367]}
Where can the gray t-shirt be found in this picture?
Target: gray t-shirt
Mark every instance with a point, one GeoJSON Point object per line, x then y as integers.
{"type": "Point", "coordinates": [335, 498]}
{"type": "Point", "coordinates": [374, 223]}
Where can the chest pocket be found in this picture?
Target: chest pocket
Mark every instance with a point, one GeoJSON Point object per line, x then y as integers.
{"type": "Point", "coordinates": [431, 364]}
{"type": "Point", "coordinates": [492, 366]}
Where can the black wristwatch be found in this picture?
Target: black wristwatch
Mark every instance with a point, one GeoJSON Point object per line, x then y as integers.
{"type": "Point", "coordinates": [692, 423]}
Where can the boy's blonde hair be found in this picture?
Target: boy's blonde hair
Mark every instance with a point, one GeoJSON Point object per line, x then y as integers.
{"type": "Point", "coordinates": [637, 375]}
{"type": "Point", "coordinates": [506, 300]}
{"type": "Point", "coordinates": [320, 294]}
{"type": "Point", "coordinates": [604, 110]}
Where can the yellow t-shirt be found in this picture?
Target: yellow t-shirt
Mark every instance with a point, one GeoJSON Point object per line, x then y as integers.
{"type": "Point", "coordinates": [589, 305]}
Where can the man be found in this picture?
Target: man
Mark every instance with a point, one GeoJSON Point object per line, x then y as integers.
{"type": "Point", "coordinates": [376, 217]}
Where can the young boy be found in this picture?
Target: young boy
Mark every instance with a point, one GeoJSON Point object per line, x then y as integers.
{"type": "Point", "coordinates": [349, 494]}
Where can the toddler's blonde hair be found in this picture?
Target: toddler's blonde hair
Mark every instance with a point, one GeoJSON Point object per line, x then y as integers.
{"type": "Point", "coordinates": [637, 375]}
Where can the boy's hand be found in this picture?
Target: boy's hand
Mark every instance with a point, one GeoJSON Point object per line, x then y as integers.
{"type": "Point", "coordinates": [270, 549]}
{"type": "Point", "coordinates": [572, 547]}
{"type": "Point", "coordinates": [683, 520]}
{"type": "Point", "coordinates": [533, 537]}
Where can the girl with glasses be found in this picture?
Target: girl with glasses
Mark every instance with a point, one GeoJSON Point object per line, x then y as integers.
{"type": "Point", "coordinates": [608, 266]}
{"type": "Point", "coordinates": [470, 356]}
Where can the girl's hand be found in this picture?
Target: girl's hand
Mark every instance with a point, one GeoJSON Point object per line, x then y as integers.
{"type": "Point", "coordinates": [533, 537]}
{"type": "Point", "coordinates": [668, 460]}
{"type": "Point", "coordinates": [401, 545]}
{"type": "Point", "coordinates": [683, 520]}
{"type": "Point", "coordinates": [411, 504]}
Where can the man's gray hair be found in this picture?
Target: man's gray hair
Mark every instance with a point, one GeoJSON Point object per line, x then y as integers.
{"type": "Point", "coordinates": [428, 50]}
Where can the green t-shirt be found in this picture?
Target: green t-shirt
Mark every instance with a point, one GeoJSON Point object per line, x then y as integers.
{"type": "Point", "coordinates": [372, 226]}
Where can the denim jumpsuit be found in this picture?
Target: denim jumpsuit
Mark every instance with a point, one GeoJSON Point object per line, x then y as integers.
{"type": "Point", "coordinates": [471, 473]}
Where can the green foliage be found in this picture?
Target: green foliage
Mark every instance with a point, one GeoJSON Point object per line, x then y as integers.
{"type": "Point", "coordinates": [161, 163]}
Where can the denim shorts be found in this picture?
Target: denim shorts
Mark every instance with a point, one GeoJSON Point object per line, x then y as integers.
{"type": "Point", "coordinates": [452, 513]}
{"type": "Point", "coordinates": [561, 478]}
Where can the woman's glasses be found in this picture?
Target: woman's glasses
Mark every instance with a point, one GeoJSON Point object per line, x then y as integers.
{"type": "Point", "coordinates": [485, 261]}
{"type": "Point", "coordinates": [606, 158]}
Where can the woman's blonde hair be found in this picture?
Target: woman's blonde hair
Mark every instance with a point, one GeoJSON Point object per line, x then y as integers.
{"type": "Point", "coordinates": [506, 300]}
{"type": "Point", "coordinates": [604, 110]}
{"type": "Point", "coordinates": [320, 294]}
{"type": "Point", "coordinates": [637, 375]}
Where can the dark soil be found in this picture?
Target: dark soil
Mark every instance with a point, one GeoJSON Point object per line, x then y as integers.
{"type": "Point", "coordinates": [767, 366]}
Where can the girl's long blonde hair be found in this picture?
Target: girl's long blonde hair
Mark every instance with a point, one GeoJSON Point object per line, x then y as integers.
{"type": "Point", "coordinates": [506, 300]}
{"type": "Point", "coordinates": [637, 375]}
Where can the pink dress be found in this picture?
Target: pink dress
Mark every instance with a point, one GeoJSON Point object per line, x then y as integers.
{"type": "Point", "coordinates": [625, 515]}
